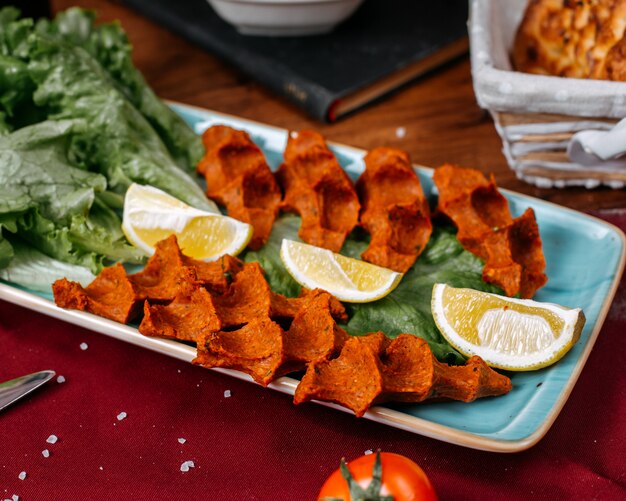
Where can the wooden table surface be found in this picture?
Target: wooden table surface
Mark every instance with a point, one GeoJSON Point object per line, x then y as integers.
{"type": "Point", "coordinates": [443, 123]}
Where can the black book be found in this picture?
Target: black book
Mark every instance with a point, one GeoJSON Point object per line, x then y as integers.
{"type": "Point", "coordinates": [382, 47]}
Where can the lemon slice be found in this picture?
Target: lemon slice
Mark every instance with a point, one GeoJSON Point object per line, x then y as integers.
{"type": "Point", "coordinates": [507, 333]}
{"type": "Point", "coordinates": [138, 195]}
{"type": "Point", "coordinates": [150, 215]}
{"type": "Point", "coordinates": [347, 279]}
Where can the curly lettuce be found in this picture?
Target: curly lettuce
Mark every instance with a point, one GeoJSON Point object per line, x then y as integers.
{"type": "Point", "coordinates": [78, 125]}
{"type": "Point", "coordinates": [53, 205]}
{"type": "Point", "coordinates": [108, 44]}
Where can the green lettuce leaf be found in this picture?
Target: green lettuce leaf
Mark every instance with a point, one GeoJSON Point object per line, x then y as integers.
{"type": "Point", "coordinates": [109, 45]}
{"type": "Point", "coordinates": [117, 141]}
{"type": "Point", "coordinates": [16, 85]}
{"type": "Point", "coordinates": [36, 271]}
{"type": "Point", "coordinates": [7, 253]}
{"type": "Point", "coordinates": [5, 128]}
{"type": "Point", "coordinates": [8, 223]}
{"type": "Point", "coordinates": [52, 204]}
{"type": "Point", "coordinates": [14, 32]}
{"type": "Point", "coordinates": [35, 173]}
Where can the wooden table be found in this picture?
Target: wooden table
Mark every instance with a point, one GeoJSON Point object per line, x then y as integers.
{"type": "Point", "coordinates": [439, 112]}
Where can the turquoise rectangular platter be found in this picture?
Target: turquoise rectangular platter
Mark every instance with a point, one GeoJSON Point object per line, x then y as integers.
{"type": "Point", "coordinates": [585, 260]}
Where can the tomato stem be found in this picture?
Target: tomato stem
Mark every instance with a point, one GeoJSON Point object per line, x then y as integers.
{"type": "Point", "coordinates": [372, 493]}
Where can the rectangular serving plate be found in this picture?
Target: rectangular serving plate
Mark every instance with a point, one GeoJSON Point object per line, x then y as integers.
{"type": "Point", "coordinates": [585, 260]}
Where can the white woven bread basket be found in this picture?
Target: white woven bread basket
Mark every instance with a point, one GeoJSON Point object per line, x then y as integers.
{"type": "Point", "coordinates": [536, 115]}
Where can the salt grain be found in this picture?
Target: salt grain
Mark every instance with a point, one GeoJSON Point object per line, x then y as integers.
{"type": "Point", "coordinates": [400, 132]}
{"type": "Point", "coordinates": [60, 379]}
{"type": "Point", "coordinates": [101, 468]}
{"type": "Point", "coordinates": [186, 465]}
{"type": "Point", "coordinates": [52, 439]}
{"type": "Point", "coordinates": [15, 497]}
{"type": "Point", "coordinates": [368, 452]}
{"type": "Point", "coordinates": [181, 440]}
{"type": "Point", "coordinates": [84, 346]}
{"type": "Point", "coordinates": [22, 475]}
{"type": "Point", "coordinates": [121, 415]}
{"type": "Point", "coordinates": [45, 453]}
{"type": "Point", "coordinates": [227, 394]}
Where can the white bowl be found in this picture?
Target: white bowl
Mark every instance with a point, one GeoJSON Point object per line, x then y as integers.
{"type": "Point", "coordinates": [284, 17]}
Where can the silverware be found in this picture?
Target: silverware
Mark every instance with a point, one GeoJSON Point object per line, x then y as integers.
{"type": "Point", "coordinates": [13, 390]}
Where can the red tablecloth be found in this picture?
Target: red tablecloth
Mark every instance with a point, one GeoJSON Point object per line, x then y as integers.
{"type": "Point", "coordinates": [255, 444]}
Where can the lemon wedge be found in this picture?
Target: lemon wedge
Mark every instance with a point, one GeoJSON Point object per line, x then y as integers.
{"type": "Point", "coordinates": [150, 215]}
{"type": "Point", "coordinates": [348, 279]}
{"type": "Point", "coordinates": [507, 333]}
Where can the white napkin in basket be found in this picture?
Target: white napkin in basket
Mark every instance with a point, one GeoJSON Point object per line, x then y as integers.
{"type": "Point", "coordinates": [595, 148]}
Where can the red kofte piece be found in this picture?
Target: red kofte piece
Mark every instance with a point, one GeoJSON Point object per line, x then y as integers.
{"type": "Point", "coordinates": [473, 203]}
{"type": "Point", "coordinates": [313, 335]}
{"type": "Point", "coordinates": [353, 379]}
{"type": "Point", "coordinates": [216, 276]}
{"type": "Point", "coordinates": [515, 259]}
{"type": "Point", "coordinates": [190, 315]}
{"type": "Point", "coordinates": [511, 249]}
{"type": "Point", "coordinates": [411, 373]}
{"type": "Point", "coordinates": [288, 307]}
{"type": "Point", "coordinates": [394, 210]}
{"type": "Point", "coordinates": [247, 299]}
{"type": "Point", "coordinates": [317, 188]}
{"type": "Point", "coordinates": [475, 379]}
{"type": "Point", "coordinates": [165, 273]}
{"type": "Point", "coordinates": [255, 348]}
{"type": "Point", "coordinates": [169, 269]}
{"type": "Point", "coordinates": [111, 295]}
{"type": "Point", "coordinates": [239, 178]}
{"type": "Point", "coordinates": [407, 369]}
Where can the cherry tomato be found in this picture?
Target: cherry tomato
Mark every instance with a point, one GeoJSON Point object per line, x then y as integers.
{"type": "Point", "coordinates": [401, 480]}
